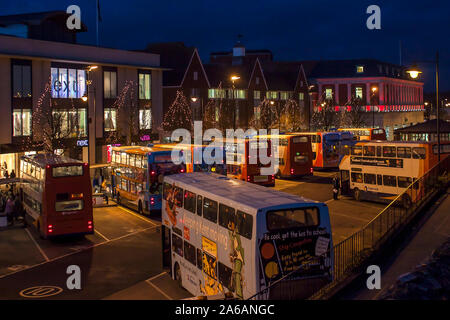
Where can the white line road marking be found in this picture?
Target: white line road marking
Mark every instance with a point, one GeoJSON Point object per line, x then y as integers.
{"type": "Point", "coordinates": [157, 276]}
{"type": "Point", "coordinates": [100, 234]}
{"type": "Point", "coordinates": [138, 216]}
{"type": "Point", "coordinates": [159, 290]}
{"type": "Point", "coordinates": [37, 246]}
{"type": "Point", "coordinates": [72, 253]}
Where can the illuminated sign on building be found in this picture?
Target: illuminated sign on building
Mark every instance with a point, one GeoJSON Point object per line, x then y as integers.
{"type": "Point", "coordinates": [82, 143]}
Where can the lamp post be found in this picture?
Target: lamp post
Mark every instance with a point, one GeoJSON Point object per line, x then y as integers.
{"type": "Point", "coordinates": [414, 72]}
{"type": "Point", "coordinates": [233, 79]}
{"type": "Point", "coordinates": [374, 90]}
{"type": "Point", "coordinates": [92, 129]}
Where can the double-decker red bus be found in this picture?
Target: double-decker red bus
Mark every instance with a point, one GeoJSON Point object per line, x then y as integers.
{"type": "Point", "coordinates": [366, 133]}
{"type": "Point", "coordinates": [294, 155]}
{"type": "Point", "coordinates": [241, 165]}
{"type": "Point", "coordinates": [57, 194]}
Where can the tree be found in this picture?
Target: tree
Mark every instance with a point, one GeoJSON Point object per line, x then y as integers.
{"type": "Point", "coordinates": [325, 117]}
{"type": "Point", "coordinates": [265, 117]}
{"type": "Point", "coordinates": [179, 115]}
{"type": "Point", "coordinates": [54, 125]}
{"type": "Point", "coordinates": [291, 119]}
{"type": "Point", "coordinates": [210, 112]}
{"type": "Point", "coordinates": [355, 117]}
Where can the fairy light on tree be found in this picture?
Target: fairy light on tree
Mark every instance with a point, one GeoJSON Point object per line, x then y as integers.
{"type": "Point", "coordinates": [179, 114]}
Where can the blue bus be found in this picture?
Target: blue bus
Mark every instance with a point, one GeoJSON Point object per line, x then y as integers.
{"type": "Point", "coordinates": [138, 173]}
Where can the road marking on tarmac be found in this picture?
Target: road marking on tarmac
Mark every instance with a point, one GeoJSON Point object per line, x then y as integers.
{"type": "Point", "coordinates": [138, 216]}
{"type": "Point", "coordinates": [75, 252]}
{"type": "Point", "coordinates": [157, 276]}
{"type": "Point", "coordinates": [159, 290]}
{"type": "Point", "coordinates": [101, 235]}
{"type": "Point", "coordinates": [40, 292]}
{"type": "Point", "coordinates": [37, 246]}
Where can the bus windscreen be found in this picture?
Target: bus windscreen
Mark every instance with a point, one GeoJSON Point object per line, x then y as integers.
{"type": "Point", "coordinates": [67, 171]}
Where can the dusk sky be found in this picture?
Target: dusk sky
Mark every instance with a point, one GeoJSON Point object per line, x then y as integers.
{"type": "Point", "coordinates": [292, 30]}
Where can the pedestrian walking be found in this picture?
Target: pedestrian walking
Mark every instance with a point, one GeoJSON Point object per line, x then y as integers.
{"type": "Point", "coordinates": [13, 174]}
{"type": "Point", "coordinates": [336, 186]}
{"type": "Point", "coordinates": [10, 210]}
{"type": "Point", "coordinates": [6, 174]}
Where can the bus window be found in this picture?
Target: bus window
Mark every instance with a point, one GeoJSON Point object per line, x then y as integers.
{"type": "Point", "coordinates": [357, 151]}
{"type": "Point", "coordinates": [404, 152]}
{"type": "Point", "coordinates": [369, 151]}
{"type": "Point", "coordinates": [177, 244]}
{"type": "Point", "coordinates": [189, 201]}
{"type": "Point", "coordinates": [357, 177]}
{"type": "Point", "coordinates": [419, 153]}
{"type": "Point", "coordinates": [379, 179]}
{"type": "Point", "coordinates": [199, 205]}
{"type": "Point", "coordinates": [210, 210]}
{"type": "Point", "coordinates": [244, 224]}
{"type": "Point", "coordinates": [189, 253]}
{"type": "Point", "coordinates": [389, 181]}
{"type": "Point", "coordinates": [68, 171]}
{"type": "Point", "coordinates": [404, 182]}
{"type": "Point", "coordinates": [389, 152]}
{"type": "Point", "coordinates": [199, 259]}
{"type": "Point", "coordinates": [292, 218]}
{"type": "Point", "coordinates": [378, 151]}
{"type": "Point", "coordinates": [299, 139]}
{"type": "Point", "coordinates": [227, 216]}
{"type": "Point", "coordinates": [225, 274]}
{"type": "Point", "coordinates": [370, 178]}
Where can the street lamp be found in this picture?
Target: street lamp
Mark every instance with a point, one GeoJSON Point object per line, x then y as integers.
{"type": "Point", "coordinates": [374, 90]}
{"type": "Point", "coordinates": [91, 117]}
{"type": "Point", "coordinates": [233, 79]}
{"type": "Point", "coordinates": [414, 72]}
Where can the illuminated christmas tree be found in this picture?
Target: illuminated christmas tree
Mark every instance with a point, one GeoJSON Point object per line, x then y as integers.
{"type": "Point", "coordinates": [179, 115]}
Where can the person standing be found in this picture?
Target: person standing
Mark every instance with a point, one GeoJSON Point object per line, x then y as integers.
{"type": "Point", "coordinates": [6, 174]}
{"type": "Point", "coordinates": [13, 174]}
{"type": "Point", "coordinates": [10, 210]}
{"type": "Point", "coordinates": [336, 187]}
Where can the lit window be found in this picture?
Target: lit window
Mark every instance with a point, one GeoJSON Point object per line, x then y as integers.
{"type": "Point", "coordinates": [301, 96]}
{"type": "Point", "coordinates": [145, 119]}
{"type": "Point", "coordinates": [257, 112]}
{"type": "Point", "coordinates": [145, 86]}
{"type": "Point", "coordinates": [328, 93]}
{"type": "Point", "coordinates": [239, 94]}
{"type": "Point", "coordinates": [359, 69]}
{"type": "Point", "coordinates": [68, 83]}
{"type": "Point", "coordinates": [110, 84]}
{"type": "Point", "coordinates": [70, 123]}
{"type": "Point", "coordinates": [21, 81]}
{"type": "Point", "coordinates": [110, 119]}
{"type": "Point", "coordinates": [216, 93]}
{"type": "Point", "coordinates": [272, 95]}
{"type": "Point", "coordinates": [285, 95]}
{"type": "Point", "coordinates": [21, 122]}
{"type": "Point", "coordinates": [359, 92]}
{"type": "Point", "coordinates": [257, 95]}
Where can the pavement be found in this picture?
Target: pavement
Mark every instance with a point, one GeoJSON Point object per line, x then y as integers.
{"type": "Point", "coordinates": [427, 237]}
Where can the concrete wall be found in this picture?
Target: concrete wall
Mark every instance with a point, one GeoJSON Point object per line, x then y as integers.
{"type": "Point", "coordinates": [157, 99]}
{"type": "Point", "coordinates": [40, 77]}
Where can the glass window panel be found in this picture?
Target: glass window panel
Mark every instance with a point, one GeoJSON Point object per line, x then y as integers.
{"type": "Point", "coordinates": [56, 86]}
{"type": "Point", "coordinates": [26, 81]}
{"type": "Point", "coordinates": [63, 81]}
{"type": "Point", "coordinates": [113, 85]}
{"type": "Point", "coordinates": [82, 120]}
{"type": "Point", "coordinates": [72, 83]}
{"type": "Point", "coordinates": [81, 89]}
{"type": "Point", "coordinates": [110, 119]}
{"type": "Point", "coordinates": [17, 123]}
{"type": "Point", "coordinates": [148, 85]}
{"type": "Point", "coordinates": [141, 86]}
{"type": "Point", "coordinates": [107, 84]}
{"type": "Point", "coordinates": [26, 122]}
{"type": "Point", "coordinates": [17, 81]}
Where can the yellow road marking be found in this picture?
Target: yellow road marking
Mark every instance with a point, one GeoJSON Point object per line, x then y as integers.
{"type": "Point", "coordinates": [101, 235]}
{"type": "Point", "coordinates": [138, 216]}
{"type": "Point", "coordinates": [159, 290]}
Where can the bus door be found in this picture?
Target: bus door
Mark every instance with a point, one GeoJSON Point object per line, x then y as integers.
{"type": "Point", "coordinates": [166, 248]}
{"type": "Point", "coordinates": [345, 182]}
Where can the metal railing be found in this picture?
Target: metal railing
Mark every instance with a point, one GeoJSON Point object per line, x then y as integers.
{"type": "Point", "coordinates": [351, 253]}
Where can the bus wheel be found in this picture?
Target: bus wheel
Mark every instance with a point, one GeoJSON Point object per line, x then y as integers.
{"type": "Point", "coordinates": [357, 194]}
{"type": "Point", "coordinates": [140, 207]}
{"type": "Point", "coordinates": [178, 274]}
{"type": "Point", "coordinates": [406, 201]}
